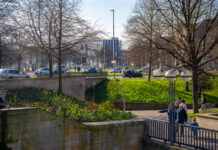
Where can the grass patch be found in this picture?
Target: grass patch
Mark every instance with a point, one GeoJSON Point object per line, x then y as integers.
{"type": "Point", "coordinates": [32, 77]}
{"type": "Point", "coordinates": [63, 105]}
{"type": "Point", "coordinates": [192, 115]}
{"type": "Point", "coordinates": [139, 90]}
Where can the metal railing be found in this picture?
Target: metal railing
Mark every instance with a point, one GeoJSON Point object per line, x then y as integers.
{"type": "Point", "coordinates": [196, 137]}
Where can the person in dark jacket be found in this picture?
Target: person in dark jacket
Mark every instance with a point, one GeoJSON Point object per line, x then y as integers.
{"type": "Point", "coordinates": [182, 117]}
{"type": "Point", "coordinates": [170, 113]}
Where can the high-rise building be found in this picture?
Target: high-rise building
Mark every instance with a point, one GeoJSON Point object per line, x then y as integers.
{"type": "Point", "coordinates": [108, 44]}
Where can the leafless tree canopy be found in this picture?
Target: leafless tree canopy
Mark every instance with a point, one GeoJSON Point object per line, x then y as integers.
{"type": "Point", "coordinates": [186, 29]}
{"type": "Point", "coordinates": [142, 25]}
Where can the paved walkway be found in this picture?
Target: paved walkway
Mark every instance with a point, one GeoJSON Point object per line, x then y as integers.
{"type": "Point", "coordinates": [154, 114]}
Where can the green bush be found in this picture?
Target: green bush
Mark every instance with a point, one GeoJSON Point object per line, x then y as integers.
{"type": "Point", "coordinates": [63, 105]}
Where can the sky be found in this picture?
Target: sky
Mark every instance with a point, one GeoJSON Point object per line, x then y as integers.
{"type": "Point", "coordinates": [98, 12]}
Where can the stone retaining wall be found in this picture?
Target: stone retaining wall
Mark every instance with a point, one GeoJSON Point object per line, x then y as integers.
{"type": "Point", "coordinates": [42, 131]}
{"type": "Point", "coordinates": [71, 85]}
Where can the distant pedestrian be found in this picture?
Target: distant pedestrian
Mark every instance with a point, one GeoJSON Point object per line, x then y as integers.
{"type": "Point", "coordinates": [178, 102]}
{"type": "Point", "coordinates": [78, 69]}
{"type": "Point", "coordinates": [184, 105]}
{"type": "Point", "coordinates": [194, 128]}
{"type": "Point", "coordinates": [182, 117]}
{"type": "Point", "coordinates": [203, 102]}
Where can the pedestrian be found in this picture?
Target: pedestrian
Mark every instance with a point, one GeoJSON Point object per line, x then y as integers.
{"type": "Point", "coordinates": [203, 102]}
{"type": "Point", "coordinates": [171, 113]}
{"type": "Point", "coordinates": [184, 105]}
{"type": "Point", "coordinates": [178, 102]}
{"type": "Point", "coordinates": [194, 128]}
{"type": "Point", "coordinates": [182, 117]}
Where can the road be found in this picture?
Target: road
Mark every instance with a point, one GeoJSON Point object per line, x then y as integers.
{"type": "Point", "coordinates": [120, 77]}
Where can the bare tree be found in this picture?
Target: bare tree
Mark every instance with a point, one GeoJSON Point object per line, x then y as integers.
{"type": "Point", "coordinates": [142, 24]}
{"type": "Point", "coordinates": [6, 9]}
{"type": "Point", "coordinates": [36, 17]}
{"type": "Point", "coordinates": [70, 30]}
{"type": "Point", "coordinates": [189, 25]}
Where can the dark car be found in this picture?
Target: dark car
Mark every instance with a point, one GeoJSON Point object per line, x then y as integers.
{"type": "Point", "coordinates": [132, 73]}
{"type": "Point", "coordinates": [92, 70]}
{"type": "Point", "coordinates": [99, 70]}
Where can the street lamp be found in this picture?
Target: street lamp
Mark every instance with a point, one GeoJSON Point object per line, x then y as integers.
{"type": "Point", "coordinates": [171, 75]}
{"type": "Point", "coordinates": [158, 74]}
{"type": "Point", "coordinates": [113, 43]}
{"type": "Point", "coordinates": [186, 75]}
{"type": "Point", "coordinates": [124, 102]}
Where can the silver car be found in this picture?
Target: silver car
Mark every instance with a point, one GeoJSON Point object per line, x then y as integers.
{"type": "Point", "coordinates": [42, 71]}
{"type": "Point", "coordinates": [12, 73]}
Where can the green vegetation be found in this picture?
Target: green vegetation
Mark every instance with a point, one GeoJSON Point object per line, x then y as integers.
{"type": "Point", "coordinates": [63, 105]}
{"type": "Point", "coordinates": [32, 77]}
{"type": "Point", "coordinates": [139, 90]}
{"type": "Point", "coordinates": [192, 115]}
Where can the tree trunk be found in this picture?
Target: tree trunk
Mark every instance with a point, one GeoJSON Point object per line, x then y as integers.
{"type": "Point", "coordinates": [59, 51]}
{"type": "Point", "coordinates": [0, 52]}
{"type": "Point", "coordinates": [186, 86]}
{"type": "Point", "coordinates": [149, 72]}
{"type": "Point", "coordinates": [19, 61]}
{"type": "Point", "coordinates": [59, 76]}
{"type": "Point", "coordinates": [195, 90]}
{"type": "Point", "coordinates": [50, 65]}
{"type": "Point", "coordinates": [0, 58]}
{"type": "Point", "coordinates": [150, 61]}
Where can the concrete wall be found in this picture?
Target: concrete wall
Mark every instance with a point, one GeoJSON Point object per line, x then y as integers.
{"type": "Point", "coordinates": [72, 85]}
{"type": "Point", "coordinates": [39, 130]}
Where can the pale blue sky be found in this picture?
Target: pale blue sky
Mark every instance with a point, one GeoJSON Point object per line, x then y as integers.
{"type": "Point", "coordinates": [99, 11]}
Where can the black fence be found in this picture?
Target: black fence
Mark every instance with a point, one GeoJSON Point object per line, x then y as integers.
{"type": "Point", "coordinates": [180, 134]}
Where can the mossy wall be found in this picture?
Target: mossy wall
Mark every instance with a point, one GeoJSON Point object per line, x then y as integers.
{"type": "Point", "coordinates": [39, 130]}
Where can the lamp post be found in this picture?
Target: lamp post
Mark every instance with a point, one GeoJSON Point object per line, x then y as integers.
{"type": "Point", "coordinates": [171, 75]}
{"type": "Point", "coordinates": [124, 103]}
{"type": "Point", "coordinates": [113, 61]}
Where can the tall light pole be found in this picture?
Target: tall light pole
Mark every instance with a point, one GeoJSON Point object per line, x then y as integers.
{"type": "Point", "coordinates": [171, 75]}
{"type": "Point", "coordinates": [104, 53]}
{"type": "Point", "coordinates": [113, 62]}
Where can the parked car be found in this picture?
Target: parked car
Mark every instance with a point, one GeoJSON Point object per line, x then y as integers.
{"type": "Point", "coordinates": [132, 73]}
{"type": "Point", "coordinates": [12, 73]}
{"type": "Point", "coordinates": [41, 71]}
{"type": "Point", "coordinates": [144, 69]}
{"type": "Point", "coordinates": [91, 70]}
{"type": "Point", "coordinates": [63, 69]}
{"type": "Point", "coordinates": [116, 70]}
{"type": "Point", "coordinates": [99, 70]}
{"type": "Point", "coordinates": [84, 69]}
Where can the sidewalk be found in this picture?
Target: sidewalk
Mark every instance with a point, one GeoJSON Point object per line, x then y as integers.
{"type": "Point", "coordinates": [152, 114]}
